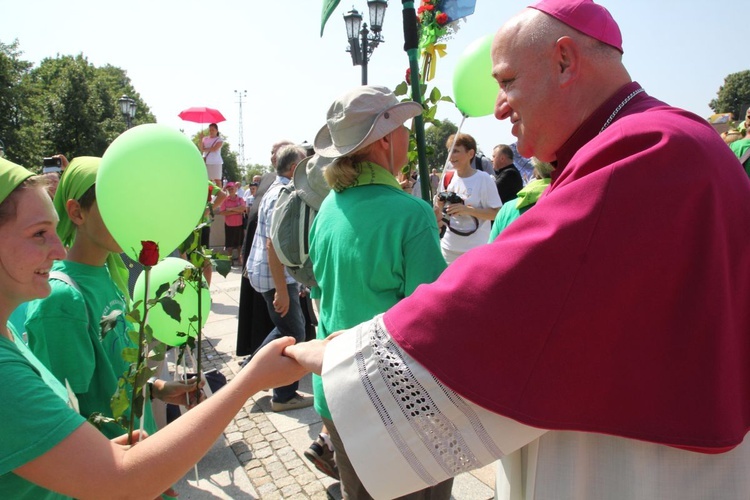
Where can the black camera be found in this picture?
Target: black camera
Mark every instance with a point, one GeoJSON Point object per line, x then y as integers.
{"type": "Point", "coordinates": [449, 197]}
{"type": "Point", "coordinates": [51, 164]}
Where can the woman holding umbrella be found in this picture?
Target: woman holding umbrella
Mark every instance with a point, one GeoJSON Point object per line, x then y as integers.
{"type": "Point", "coordinates": [211, 149]}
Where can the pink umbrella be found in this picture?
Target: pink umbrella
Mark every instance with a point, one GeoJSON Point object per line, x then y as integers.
{"type": "Point", "coordinates": [202, 115]}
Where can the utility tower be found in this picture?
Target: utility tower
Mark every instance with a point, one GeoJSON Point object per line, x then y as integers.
{"type": "Point", "coordinates": [241, 94]}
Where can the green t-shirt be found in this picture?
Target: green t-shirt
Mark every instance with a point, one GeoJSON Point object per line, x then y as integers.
{"type": "Point", "coordinates": [371, 246]}
{"type": "Point", "coordinates": [739, 148]}
{"type": "Point", "coordinates": [35, 415]}
{"type": "Point", "coordinates": [64, 333]}
{"type": "Point", "coordinates": [527, 198]}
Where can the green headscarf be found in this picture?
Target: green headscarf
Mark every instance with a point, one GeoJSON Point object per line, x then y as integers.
{"type": "Point", "coordinates": [11, 176]}
{"type": "Point", "coordinates": [77, 178]}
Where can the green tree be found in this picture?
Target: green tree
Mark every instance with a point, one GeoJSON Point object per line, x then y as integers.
{"type": "Point", "coordinates": [77, 105]}
{"type": "Point", "coordinates": [256, 169]}
{"type": "Point", "coordinates": [231, 169]}
{"type": "Point", "coordinates": [16, 122]}
{"type": "Point", "coordinates": [734, 96]}
{"type": "Point", "coordinates": [435, 138]}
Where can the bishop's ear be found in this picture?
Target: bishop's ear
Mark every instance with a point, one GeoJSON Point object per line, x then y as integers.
{"type": "Point", "coordinates": [567, 59]}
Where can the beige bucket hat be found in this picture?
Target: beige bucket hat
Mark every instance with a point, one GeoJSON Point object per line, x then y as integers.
{"type": "Point", "coordinates": [309, 181]}
{"type": "Point", "coordinates": [361, 117]}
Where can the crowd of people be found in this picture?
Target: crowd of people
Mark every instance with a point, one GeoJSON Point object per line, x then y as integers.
{"type": "Point", "coordinates": [579, 316]}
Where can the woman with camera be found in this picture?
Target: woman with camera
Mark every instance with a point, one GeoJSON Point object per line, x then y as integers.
{"type": "Point", "coordinates": [47, 449]}
{"type": "Point", "coordinates": [469, 202]}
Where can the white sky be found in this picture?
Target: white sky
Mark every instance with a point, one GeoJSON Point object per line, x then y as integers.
{"type": "Point", "coordinates": [183, 53]}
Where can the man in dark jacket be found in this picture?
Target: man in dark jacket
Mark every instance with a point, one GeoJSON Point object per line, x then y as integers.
{"type": "Point", "coordinates": [507, 177]}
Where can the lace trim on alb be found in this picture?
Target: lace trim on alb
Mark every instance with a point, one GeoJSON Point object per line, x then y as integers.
{"type": "Point", "coordinates": [438, 434]}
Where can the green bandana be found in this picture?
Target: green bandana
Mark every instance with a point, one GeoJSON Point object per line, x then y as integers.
{"type": "Point", "coordinates": [11, 176]}
{"type": "Point", "coordinates": [531, 193]}
{"type": "Point", "coordinates": [372, 173]}
{"type": "Point", "coordinates": [75, 181]}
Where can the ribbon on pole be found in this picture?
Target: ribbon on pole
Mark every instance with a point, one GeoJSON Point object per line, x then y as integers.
{"type": "Point", "coordinates": [431, 54]}
{"type": "Point", "coordinates": [411, 46]}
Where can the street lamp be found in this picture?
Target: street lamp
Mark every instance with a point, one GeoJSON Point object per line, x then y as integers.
{"type": "Point", "coordinates": [127, 108]}
{"type": "Point", "coordinates": [362, 41]}
{"type": "Point", "coordinates": [2, 150]}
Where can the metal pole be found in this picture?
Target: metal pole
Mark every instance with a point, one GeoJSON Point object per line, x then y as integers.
{"type": "Point", "coordinates": [363, 35]}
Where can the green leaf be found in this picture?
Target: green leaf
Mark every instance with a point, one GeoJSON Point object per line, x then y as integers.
{"type": "Point", "coordinates": [143, 375]}
{"type": "Point", "coordinates": [134, 336]}
{"type": "Point", "coordinates": [119, 402]}
{"type": "Point", "coordinates": [98, 420]}
{"type": "Point", "coordinates": [401, 89]}
{"type": "Point", "coordinates": [223, 267]}
{"type": "Point", "coordinates": [130, 354]}
{"type": "Point", "coordinates": [158, 351]}
{"type": "Point", "coordinates": [435, 95]}
{"type": "Point", "coordinates": [134, 316]}
{"type": "Point", "coordinates": [162, 288]}
{"type": "Point", "coordinates": [171, 307]}
{"type": "Point", "coordinates": [446, 98]}
{"type": "Point", "coordinates": [148, 334]}
{"type": "Point", "coordinates": [193, 319]}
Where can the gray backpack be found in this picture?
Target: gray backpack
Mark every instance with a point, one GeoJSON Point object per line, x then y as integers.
{"type": "Point", "coordinates": [290, 234]}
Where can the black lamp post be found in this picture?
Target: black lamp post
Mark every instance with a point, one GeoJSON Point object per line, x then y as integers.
{"type": "Point", "coordinates": [127, 108]}
{"type": "Point", "coordinates": [362, 41]}
{"type": "Point", "coordinates": [2, 150]}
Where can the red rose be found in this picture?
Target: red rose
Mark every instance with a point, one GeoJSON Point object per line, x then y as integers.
{"type": "Point", "coordinates": [149, 255]}
{"type": "Point", "coordinates": [441, 18]}
{"type": "Point", "coordinates": [408, 76]}
{"type": "Point", "coordinates": [428, 6]}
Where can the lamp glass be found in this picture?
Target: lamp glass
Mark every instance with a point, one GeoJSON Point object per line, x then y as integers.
{"type": "Point", "coordinates": [377, 13]}
{"type": "Point", "coordinates": [124, 103]}
{"type": "Point", "coordinates": [131, 107]}
{"type": "Point", "coordinates": [353, 20]}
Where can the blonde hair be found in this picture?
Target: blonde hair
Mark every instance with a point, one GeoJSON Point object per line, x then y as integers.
{"type": "Point", "coordinates": [731, 135]}
{"type": "Point", "coordinates": [342, 172]}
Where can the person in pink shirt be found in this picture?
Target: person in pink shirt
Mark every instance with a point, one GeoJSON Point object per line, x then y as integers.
{"type": "Point", "coordinates": [232, 209]}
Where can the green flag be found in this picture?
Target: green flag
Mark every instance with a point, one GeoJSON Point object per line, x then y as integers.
{"type": "Point", "coordinates": [328, 7]}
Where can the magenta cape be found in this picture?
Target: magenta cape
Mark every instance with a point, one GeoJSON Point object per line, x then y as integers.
{"type": "Point", "coordinates": [620, 303]}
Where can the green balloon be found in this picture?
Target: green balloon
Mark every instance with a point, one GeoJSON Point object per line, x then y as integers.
{"type": "Point", "coordinates": [151, 186]}
{"type": "Point", "coordinates": [474, 88]}
{"type": "Point", "coordinates": [165, 328]}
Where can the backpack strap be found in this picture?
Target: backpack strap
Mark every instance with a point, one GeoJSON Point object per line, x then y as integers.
{"type": "Point", "coordinates": [61, 276]}
{"type": "Point", "coordinates": [745, 157]}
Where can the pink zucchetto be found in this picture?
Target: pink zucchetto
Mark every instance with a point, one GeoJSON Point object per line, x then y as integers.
{"type": "Point", "coordinates": [585, 16]}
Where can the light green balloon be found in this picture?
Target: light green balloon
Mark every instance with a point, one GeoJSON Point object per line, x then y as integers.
{"type": "Point", "coordinates": [151, 186]}
{"type": "Point", "coordinates": [164, 327]}
{"type": "Point", "coordinates": [474, 88]}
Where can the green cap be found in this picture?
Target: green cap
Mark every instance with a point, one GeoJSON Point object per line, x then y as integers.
{"type": "Point", "coordinates": [11, 176]}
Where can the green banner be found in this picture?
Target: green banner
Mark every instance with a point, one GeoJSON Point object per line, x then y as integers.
{"type": "Point", "coordinates": [328, 7]}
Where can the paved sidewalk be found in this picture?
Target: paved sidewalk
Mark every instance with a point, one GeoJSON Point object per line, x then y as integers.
{"type": "Point", "coordinates": [260, 453]}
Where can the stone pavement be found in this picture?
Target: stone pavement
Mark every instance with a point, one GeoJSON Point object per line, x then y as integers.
{"type": "Point", "coordinates": [260, 454]}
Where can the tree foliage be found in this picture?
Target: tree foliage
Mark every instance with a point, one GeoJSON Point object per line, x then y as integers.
{"type": "Point", "coordinates": [64, 105]}
{"type": "Point", "coordinates": [734, 96]}
{"type": "Point", "coordinates": [435, 139]}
